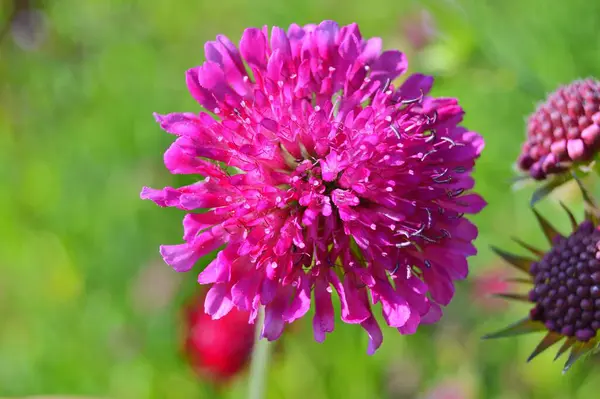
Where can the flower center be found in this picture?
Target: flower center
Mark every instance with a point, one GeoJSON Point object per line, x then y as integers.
{"type": "Point", "coordinates": [567, 285]}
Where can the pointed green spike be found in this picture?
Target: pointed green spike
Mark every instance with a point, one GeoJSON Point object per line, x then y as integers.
{"type": "Point", "coordinates": [548, 187]}
{"type": "Point", "coordinates": [549, 231]}
{"type": "Point", "coordinates": [528, 247]}
{"type": "Point", "coordinates": [520, 262]}
{"type": "Point", "coordinates": [565, 347]}
{"type": "Point", "coordinates": [589, 215]}
{"type": "Point", "coordinates": [550, 339]}
{"type": "Point", "coordinates": [514, 297]}
{"type": "Point", "coordinates": [519, 280]}
{"type": "Point", "coordinates": [524, 326]}
{"type": "Point", "coordinates": [584, 192]}
{"type": "Point", "coordinates": [591, 210]}
{"type": "Point", "coordinates": [572, 219]}
{"type": "Point", "coordinates": [578, 350]}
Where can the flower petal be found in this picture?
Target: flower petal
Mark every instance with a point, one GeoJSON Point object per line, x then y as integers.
{"type": "Point", "coordinates": [180, 257]}
{"type": "Point", "coordinates": [218, 301]}
{"type": "Point", "coordinates": [323, 321]}
{"type": "Point", "coordinates": [301, 302]}
{"type": "Point", "coordinates": [375, 334]}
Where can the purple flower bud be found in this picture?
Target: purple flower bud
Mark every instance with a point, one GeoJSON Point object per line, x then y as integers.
{"type": "Point", "coordinates": [564, 130]}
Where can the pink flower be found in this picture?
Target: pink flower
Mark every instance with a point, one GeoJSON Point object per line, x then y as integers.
{"type": "Point", "coordinates": [419, 28]}
{"type": "Point", "coordinates": [487, 285]}
{"type": "Point", "coordinates": [321, 177]}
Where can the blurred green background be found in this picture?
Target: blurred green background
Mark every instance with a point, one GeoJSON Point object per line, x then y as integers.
{"type": "Point", "coordinates": [86, 305]}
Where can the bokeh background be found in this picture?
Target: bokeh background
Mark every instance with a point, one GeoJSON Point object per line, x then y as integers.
{"type": "Point", "coordinates": [86, 305]}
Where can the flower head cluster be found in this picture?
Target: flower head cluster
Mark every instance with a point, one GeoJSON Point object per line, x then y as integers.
{"type": "Point", "coordinates": [565, 291]}
{"type": "Point", "coordinates": [564, 130]}
{"type": "Point", "coordinates": [321, 177]}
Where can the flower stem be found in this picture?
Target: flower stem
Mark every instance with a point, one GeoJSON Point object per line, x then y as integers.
{"type": "Point", "coordinates": [259, 362]}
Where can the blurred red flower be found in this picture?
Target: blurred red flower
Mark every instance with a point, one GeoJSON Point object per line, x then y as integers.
{"type": "Point", "coordinates": [490, 282]}
{"type": "Point", "coordinates": [419, 29]}
{"type": "Point", "coordinates": [451, 389]}
{"type": "Point", "coordinates": [216, 349]}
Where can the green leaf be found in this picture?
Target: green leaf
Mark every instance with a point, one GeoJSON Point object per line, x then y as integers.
{"type": "Point", "coordinates": [550, 339]}
{"type": "Point", "coordinates": [520, 262]}
{"type": "Point", "coordinates": [550, 185]}
{"type": "Point", "coordinates": [549, 231]}
{"type": "Point", "coordinates": [524, 326]}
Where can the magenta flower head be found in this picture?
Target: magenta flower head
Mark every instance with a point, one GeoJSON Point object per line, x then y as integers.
{"type": "Point", "coordinates": [564, 130]}
{"type": "Point", "coordinates": [321, 177]}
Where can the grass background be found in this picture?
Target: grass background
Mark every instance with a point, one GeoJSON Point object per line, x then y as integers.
{"type": "Point", "coordinates": [86, 305]}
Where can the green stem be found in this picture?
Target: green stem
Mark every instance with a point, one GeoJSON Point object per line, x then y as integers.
{"type": "Point", "coordinates": [259, 362]}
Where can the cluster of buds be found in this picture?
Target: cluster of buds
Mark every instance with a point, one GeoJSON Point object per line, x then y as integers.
{"type": "Point", "coordinates": [563, 131]}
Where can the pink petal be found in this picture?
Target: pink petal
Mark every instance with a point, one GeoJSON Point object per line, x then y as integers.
{"type": "Point", "coordinates": [576, 149]}
{"type": "Point", "coordinates": [160, 197]}
{"type": "Point", "coordinates": [591, 135]}
{"type": "Point", "coordinates": [350, 48]}
{"type": "Point", "coordinates": [415, 86]}
{"type": "Point", "coordinates": [212, 77]}
{"type": "Point", "coordinates": [475, 140]}
{"type": "Point", "coordinates": [218, 301]}
{"type": "Point", "coordinates": [274, 324]}
{"type": "Point", "coordinates": [375, 334]}
{"type": "Point", "coordinates": [243, 293]}
{"type": "Point", "coordinates": [180, 257]}
{"type": "Point", "coordinates": [268, 290]}
{"type": "Point", "coordinates": [200, 94]}
{"type": "Point", "coordinates": [414, 291]}
{"type": "Point", "coordinates": [323, 321]}
{"type": "Point", "coordinates": [224, 53]}
{"type": "Point", "coordinates": [286, 236]}
{"type": "Point", "coordinates": [280, 42]}
{"type": "Point", "coordinates": [469, 203]}
{"type": "Point", "coordinates": [354, 311]}
{"type": "Point", "coordinates": [193, 223]}
{"type": "Point", "coordinates": [180, 124]}
{"type": "Point", "coordinates": [455, 264]}
{"type": "Point", "coordinates": [200, 200]}
{"type": "Point", "coordinates": [329, 166]}
{"type": "Point", "coordinates": [217, 271]}
{"type": "Point", "coordinates": [301, 302]}
{"type": "Point", "coordinates": [325, 37]}
{"type": "Point", "coordinates": [372, 49]}
{"type": "Point", "coordinates": [395, 310]}
{"type": "Point", "coordinates": [389, 65]}
{"type": "Point", "coordinates": [253, 47]}
{"type": "Point", "coordinates": [440, 285]}
{"type": "Point", "coordinates": [411, 325]}
{"type": "Point", "coordinates": [434, 314]}
{"type": "Point", "coordinates": [343, 198]}
{"type": "Point", "coordinates": [178, 161]}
